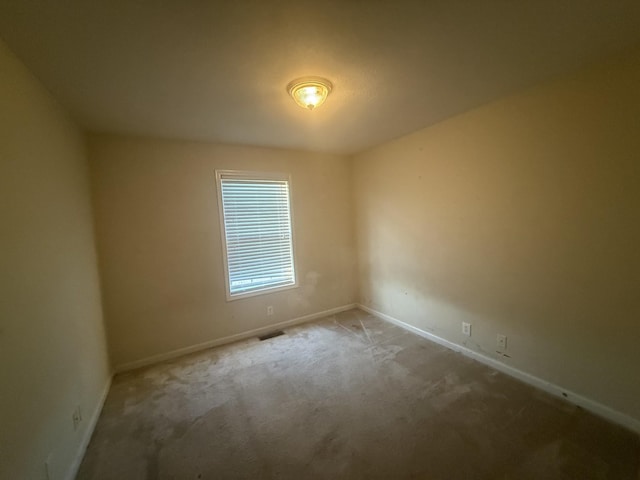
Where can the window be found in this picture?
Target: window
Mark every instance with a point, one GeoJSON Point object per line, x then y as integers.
{"type": "Point", "coordinates": [255, 214]}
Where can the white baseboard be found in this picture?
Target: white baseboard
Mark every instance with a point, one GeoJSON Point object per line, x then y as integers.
{"type": "Point", "coordinates": [86, 436]}
{"type": "Point", "coordinates": [230, 339]}
{"type": "Point", "coordinates": [555, 390]}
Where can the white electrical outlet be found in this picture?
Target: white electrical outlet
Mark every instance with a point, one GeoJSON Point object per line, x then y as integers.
{"type": "Point", "coordinates": [466, 329]}
{"type": "Point", "coordinates": [269, 310]}
{"type": "Point", "coordinates": [501, 341]}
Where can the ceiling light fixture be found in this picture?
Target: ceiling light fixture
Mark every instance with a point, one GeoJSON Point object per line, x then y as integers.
{"type": "Point", "coordinates": [309, 92]}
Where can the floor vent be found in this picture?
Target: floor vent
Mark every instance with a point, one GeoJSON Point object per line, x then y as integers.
{"type": "Point", "coordinates": [269, 335]}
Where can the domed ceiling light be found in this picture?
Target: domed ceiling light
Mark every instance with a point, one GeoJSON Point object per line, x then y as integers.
{"type": "Point", "coordinates": [309, 92]}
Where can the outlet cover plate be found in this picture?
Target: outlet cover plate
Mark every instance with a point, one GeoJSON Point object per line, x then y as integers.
{"type": "Point", "coordinates": [466, 329]}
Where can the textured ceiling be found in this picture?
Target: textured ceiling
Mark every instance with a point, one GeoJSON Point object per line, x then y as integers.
{"type": "Point", "coordinates": [217, 70]}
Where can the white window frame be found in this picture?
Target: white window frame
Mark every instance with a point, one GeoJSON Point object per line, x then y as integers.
{"type": "Point", "coordinates": [254, 175]}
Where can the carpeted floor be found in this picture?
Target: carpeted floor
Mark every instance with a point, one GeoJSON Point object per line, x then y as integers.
{"type": "Point", "coordinates": [347, 397]}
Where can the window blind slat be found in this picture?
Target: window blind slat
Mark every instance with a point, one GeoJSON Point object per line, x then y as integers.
{"type": "Point", "coordinates": [256, 259]}
{"type": "Point", "coordinates": [253, 263]}
{"type": "Point", "coordinates": [242, 250]}
{"type": "Point", "coordinates": [255, 244]}
{"type": "Point", "coordinates": [252, 276]}
{"type": "Point", "coordinates": [275, 226]}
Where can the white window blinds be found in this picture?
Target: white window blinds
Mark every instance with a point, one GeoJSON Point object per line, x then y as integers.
{"type": "Point", "coordinates": [256, 219]}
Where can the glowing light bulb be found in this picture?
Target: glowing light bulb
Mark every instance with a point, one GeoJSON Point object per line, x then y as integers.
{"type": "Point", "coordinates": [309, 92]}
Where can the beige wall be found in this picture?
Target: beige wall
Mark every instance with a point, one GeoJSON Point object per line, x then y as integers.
{"type": "Point", "coordinates": [523, 218]}
{"type": "Point", "coordinates": [52, 343]}
{"type": "Point", "coordinates": [160, 244]}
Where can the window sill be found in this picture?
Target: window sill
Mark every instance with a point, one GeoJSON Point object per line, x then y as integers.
{"type": "Point", "coordinates": [255, 293]}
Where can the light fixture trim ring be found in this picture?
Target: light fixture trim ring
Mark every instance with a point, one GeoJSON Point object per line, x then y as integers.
{"type": "Point", "coordinates": [321, 83]}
